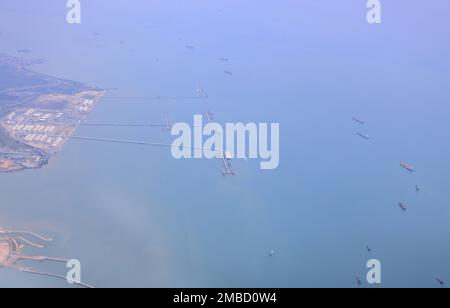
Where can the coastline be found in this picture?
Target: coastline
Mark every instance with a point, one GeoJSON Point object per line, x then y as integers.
{"type": "Point", "coordinates": [37, 119]}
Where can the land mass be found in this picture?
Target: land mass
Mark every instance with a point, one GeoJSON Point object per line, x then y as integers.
{"type": "Point", "coordinates": [38, 113]}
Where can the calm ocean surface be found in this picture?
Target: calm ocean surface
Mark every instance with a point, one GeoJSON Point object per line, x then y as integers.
{"type": "Point", "coordinates": [134, 216]}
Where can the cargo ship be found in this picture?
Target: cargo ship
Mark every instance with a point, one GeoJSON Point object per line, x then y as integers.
{"type": "Point", "coordinates": [367, 137]}
{"type": "Point", "coordinates": [407, 167]}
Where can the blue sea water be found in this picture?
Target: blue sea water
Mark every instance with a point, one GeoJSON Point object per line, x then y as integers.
{"type": "Point", "coordinates": [134, 216]}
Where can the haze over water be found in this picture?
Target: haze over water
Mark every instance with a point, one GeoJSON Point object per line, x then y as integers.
{"type": "Point", "coordinates": [134, 216]}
